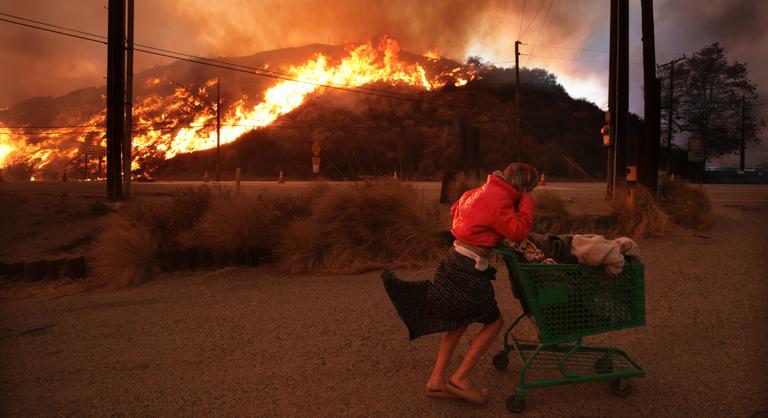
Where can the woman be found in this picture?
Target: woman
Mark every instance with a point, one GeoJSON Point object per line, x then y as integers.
{"type": "Point", "coordinates": [461, 292]}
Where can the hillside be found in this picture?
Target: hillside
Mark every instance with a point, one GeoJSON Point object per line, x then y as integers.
{"type": "Point", "coordinates": [361, 134]}
{"type": "Point", "coordinates": [365, 135]}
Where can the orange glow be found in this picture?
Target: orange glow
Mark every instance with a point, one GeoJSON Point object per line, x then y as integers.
{"type": "Point", "coordinates": [182, 122]}
{"type": "Point", "coordinates": [433, 54]}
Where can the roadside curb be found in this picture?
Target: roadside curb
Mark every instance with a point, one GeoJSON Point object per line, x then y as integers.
{"type": "Point", "coordinates": [38, 270]}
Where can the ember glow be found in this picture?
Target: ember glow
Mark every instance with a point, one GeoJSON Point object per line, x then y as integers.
{"type": "Point", "coordinates": [185, 121]}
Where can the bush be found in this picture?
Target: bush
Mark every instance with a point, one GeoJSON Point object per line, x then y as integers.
{"type": "Point", "coordinates": [171, 223]}
{"type": "Point", "coordinates": [686, 205]}
{"type": "Point", "coordinates": [364, 226]}
{"type": "Point", "coordinates": [644, 219]}
{"type": "Point", "coordinates": [250, 221]}
{"type": "Point", "coordinates": [125, 252]}
{"type": "Point", "coordinates": [550, 214]}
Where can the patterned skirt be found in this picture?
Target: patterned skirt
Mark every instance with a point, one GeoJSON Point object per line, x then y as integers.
{"type": "Point", "coordinates": [459, 295]}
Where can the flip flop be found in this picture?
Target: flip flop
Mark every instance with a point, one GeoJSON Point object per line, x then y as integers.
{"type": "Point", "coordinates": [441, 394]}
{"type": "Point", "coordinates": [470, 395]}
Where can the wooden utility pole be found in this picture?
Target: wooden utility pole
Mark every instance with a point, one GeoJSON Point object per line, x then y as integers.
{"type": "Point", "coordinates": [518, 139]}
{"type": "Point", "coordinates": [115, 95]}
{"type": "Point", "coordinates": [127, 142]}
{"type": "Point", "coordinates": [648, 152]}
{"type": "Point", "coordinates": [611, 179]}
{"type": "Point", "coordinates": [670, 108]}
{"type": "Point", "coordinates": [618, 92]}
{"type": "Point", "coordinates": [622, 91]}
{"type": "Point", "coordinates": [743, 144]}
{"type": "Point", "coordinates": [218, 129]}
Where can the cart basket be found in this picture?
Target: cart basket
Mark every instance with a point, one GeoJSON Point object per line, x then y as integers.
{"type": "Point", "coordinates": [570, 301]}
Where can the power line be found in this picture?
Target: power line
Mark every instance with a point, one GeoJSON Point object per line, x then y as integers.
{"type": "Point", "coordinates": [54, 31]}
{"type": "Point", "coordinates": [534, 18]}
{"type": "Point", "coordinates": [541, 28]}
{"type": "Point", "coordinates": [561, 59]}
{"type": "Point", "coordinates": [104, 38]}
{"type": "Point", "coordinates": [519, 31]}
{"type": "Point", "coordinates": [228, 66]}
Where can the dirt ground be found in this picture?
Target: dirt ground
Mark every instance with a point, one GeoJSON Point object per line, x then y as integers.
{"type": "Point", "coordinates": [248, 342]}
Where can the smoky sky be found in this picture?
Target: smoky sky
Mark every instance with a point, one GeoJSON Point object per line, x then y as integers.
{"type": "Point", "coordinates": [569, 38]}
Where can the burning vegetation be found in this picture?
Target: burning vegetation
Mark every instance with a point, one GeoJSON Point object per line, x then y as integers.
{"type": "Point", "coordinates": [172, 118]}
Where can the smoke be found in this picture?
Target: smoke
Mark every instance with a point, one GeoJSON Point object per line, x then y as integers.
{"type": "Point", "coordinates": [572, 43]}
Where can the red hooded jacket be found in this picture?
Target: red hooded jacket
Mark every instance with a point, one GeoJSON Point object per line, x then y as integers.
{"type": "Point", "coordinates": [484, 216]}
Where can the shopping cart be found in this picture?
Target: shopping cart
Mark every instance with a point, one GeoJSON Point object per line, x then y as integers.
{"type": "Point", "coordinates": [564, 303]}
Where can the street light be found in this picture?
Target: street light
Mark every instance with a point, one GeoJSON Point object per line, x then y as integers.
{"type": "Point", "coordinates": [216, 106]}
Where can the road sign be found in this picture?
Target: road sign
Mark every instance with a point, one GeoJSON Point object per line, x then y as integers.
{"type": "Point", "coordinates": [316, 149]}
{"type": "Point", "coordinates": [315, 165]}
{"type": "Point", "coordinates": [94, 150]}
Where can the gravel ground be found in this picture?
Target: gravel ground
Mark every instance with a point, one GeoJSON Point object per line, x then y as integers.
{"type": "Point", "coordinates": [245, 342]}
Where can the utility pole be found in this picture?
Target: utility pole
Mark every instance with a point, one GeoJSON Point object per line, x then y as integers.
{"type": "Point", "coordinates": [115, 95]}
{"type": "Point", "coordinates": [611, 179]}
{"type": "Point", "coordinates": [518, 139]}
{"type": "Point", "coordinates": [648, 152]}
{"type": "Point", "coordinates": [127, 142]}
{"type": "Point", "coordinates": [218, 129]}
{"type": "Point", "coordinates": [622, 91]}
{"type": "Point", "coordinates": [618, 100]}
{"type": "Point", "coordinates": [743, 145]}
{"type": "Point", "coordinates": [671, 107]}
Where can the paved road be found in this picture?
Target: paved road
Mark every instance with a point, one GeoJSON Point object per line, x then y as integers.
{"type": "Point", "coordinates": [248, 342]}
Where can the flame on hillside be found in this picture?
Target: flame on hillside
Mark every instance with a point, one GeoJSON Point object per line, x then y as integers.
{"type": "Point", "coordinates": [185, 121]}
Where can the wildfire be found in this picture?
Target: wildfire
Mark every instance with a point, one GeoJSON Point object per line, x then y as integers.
{"type": "Point", "coordinates": [433, 54]}
{"type": "Point", "coordinates": [185, 121]}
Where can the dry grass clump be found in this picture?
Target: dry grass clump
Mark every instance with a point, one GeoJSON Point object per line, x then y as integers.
{"type": "Point", "coordinates": [686, 205]}
{"type": "Point", "coordinates": [124, 254]}
{"type": "Point", "coordinates": [170, 223]}
{"type": "Point", "coordinates": [365, 226]}
{"type": "Point", "coordinates": [643, 219]}
{"type": "Point", "coordinates": [255, 222]}
{"type": "Point", "coordinates": [550, 213]}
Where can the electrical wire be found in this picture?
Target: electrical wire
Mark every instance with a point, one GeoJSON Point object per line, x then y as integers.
{"type": "Point", "coordinates": [532, 20]}
{"type": "Point", "coordinates": [217, 63]}
{"type": "Point", "coordinates": [541, 28]}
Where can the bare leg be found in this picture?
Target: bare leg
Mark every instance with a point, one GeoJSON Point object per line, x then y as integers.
{"type": "Point", "coordinates": [479, 345]}
{"type": "Point", "coordinates": [444, 353]}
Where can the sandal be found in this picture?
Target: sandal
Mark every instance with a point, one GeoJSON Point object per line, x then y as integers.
{"type": "Point", "coordinates": [441, 394]}
{"type": "Point", "coordinates": [471, 395]}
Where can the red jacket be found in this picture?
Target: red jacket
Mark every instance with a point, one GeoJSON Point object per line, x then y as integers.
{"type": "Point", "coordinates": [486, 215]}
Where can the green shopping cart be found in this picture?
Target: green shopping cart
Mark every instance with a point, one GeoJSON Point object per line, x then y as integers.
{"type": "Point", "coordinates": [564, 303]}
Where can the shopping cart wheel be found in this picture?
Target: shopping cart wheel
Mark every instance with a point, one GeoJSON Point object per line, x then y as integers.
{"type": "Point", "coordinates": [619, 390]}
{"type": "Point", "coordinates": [500, 360]}
{"type": "Point", "coordinates": [513, 406]}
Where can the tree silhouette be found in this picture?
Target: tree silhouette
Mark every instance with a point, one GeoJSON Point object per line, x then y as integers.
{"type": "Point", "coordinates": [708, 100]}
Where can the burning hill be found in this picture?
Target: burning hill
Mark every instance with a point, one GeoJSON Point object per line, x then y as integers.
{"type": "Point", "coordinates": [175, 111]}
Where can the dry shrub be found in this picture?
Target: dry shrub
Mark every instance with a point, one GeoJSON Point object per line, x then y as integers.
{"type": "Point", "coordinates": [365, 226]}
{"type": "Point", "coordinates": [189, 204]}
{"type": "Point", "coordinates": [550, 214]}
{"type": "Point", "coordinates": [124, 254]}
{"type": "Point", "coordinates": [643, 219]}
{"type": "Point", "coordinates": [251, 221]}
{"type": "Point", "coordinates": [686, 205]}
{"type": "Point", "coordinates": [171, 223]}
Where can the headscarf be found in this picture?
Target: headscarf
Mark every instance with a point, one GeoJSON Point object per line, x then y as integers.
{"type": "Point", "coordinates": [523, 177]}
